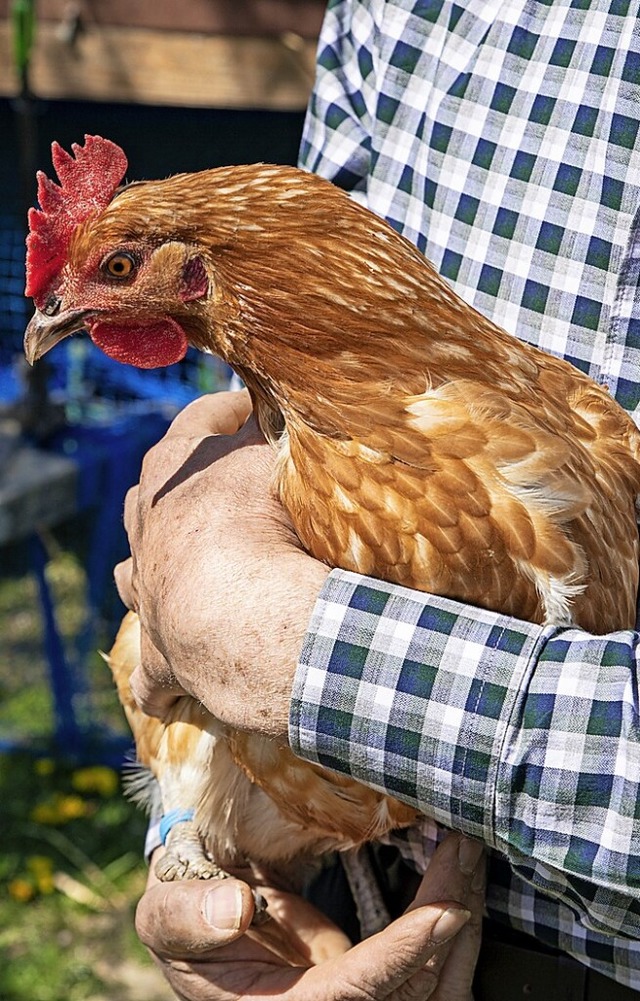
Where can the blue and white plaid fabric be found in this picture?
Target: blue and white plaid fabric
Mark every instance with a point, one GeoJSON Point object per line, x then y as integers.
{"type": "Point", "coordinates": [501, 137]}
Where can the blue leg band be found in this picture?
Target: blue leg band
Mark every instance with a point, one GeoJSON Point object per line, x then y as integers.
{"type": "Point", "coordinates": [171, 819]}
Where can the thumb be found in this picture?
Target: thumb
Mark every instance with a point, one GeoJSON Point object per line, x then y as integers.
{"type": "Point", "coordinates": [393, 963]}
{"type": "Point", "coordinates": [182, 918]}
{"type": "Point", "coordinates": [217, 413]}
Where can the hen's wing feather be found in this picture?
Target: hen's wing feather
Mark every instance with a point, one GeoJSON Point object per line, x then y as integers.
{"type": "Point", "coordinates": [511, 504]}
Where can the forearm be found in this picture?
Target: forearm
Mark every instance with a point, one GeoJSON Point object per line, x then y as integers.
{"type": "Point", "coordinates": [523, 736]}
{"type": "Point", "coordinates": [411, 678]}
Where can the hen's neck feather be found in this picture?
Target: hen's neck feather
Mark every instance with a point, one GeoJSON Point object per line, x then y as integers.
{"type": "Point", "coordinates": [324, 309]}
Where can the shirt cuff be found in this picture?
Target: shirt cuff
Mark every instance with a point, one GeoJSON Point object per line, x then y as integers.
{"type": "Point", "coordinates": [412, 695]}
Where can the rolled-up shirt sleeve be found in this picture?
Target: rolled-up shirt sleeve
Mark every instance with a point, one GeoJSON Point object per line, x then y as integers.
{"type": "Point", "coordinates": [524, 736]}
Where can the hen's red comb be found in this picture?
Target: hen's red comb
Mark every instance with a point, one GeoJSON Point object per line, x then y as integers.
{"type": "Point", "coordinates": [87, 185]}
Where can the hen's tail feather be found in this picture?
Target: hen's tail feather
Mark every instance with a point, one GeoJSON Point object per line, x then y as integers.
{"type": "Point", "coordinates": [141, 786]}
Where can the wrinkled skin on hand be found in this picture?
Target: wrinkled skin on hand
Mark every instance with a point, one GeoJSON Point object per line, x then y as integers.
{"type": "Point", "coordinates": [428, 954]}
{"type": "Point", "coordinates": [217, 575]}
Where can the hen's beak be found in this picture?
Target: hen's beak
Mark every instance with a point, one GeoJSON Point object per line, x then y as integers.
{"type": "Point", "coordinates": [43, 332]}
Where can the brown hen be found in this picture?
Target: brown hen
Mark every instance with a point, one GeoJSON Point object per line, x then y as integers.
{"type": "Point", "coordinates": [416, 442]}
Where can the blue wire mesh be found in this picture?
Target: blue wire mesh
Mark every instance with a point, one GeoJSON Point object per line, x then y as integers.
{"type": "Point", "coordinates": [13, 307]}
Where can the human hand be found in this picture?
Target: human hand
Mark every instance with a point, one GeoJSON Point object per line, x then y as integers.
{"type": "Point", "coordinates": [429, 953]}
{"type": "Point", "coordinates": [223, 589]}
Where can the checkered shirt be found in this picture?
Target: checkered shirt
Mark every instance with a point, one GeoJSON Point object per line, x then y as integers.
{"type": "Point", "coordinates": [501, 137]}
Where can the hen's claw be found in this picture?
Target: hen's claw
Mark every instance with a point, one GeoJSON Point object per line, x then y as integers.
{"type": "Point", "coordinates": [186, 858]}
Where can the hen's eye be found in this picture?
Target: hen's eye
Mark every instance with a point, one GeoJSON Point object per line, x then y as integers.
{"type": "Point", "coordinates": [119, 265]}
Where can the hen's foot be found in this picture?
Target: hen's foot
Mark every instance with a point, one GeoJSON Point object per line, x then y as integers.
{"type": "Point", "coordinates": [186, 858]}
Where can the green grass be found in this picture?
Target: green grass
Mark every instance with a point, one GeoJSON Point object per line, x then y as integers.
{"type": "Point", "coordinates": [26, 711]}
{"type": "Point", "coordinates": [71, 868]}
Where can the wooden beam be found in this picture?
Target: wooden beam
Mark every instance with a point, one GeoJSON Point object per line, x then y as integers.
{"type": "Point", "coordinates": [220, 17]}
{"type": "Point", "coordinates": [148, 66]}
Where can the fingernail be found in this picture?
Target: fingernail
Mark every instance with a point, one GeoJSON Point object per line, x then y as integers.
{"type": "Point", "coordinates": [469, 854]}
{"type": "Point", "coordinates": [223, 906]}
{"type": "Point", "coordinates": [449, 924]}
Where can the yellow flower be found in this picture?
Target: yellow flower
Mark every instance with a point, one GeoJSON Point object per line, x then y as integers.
{"type": "Point", "coordinates": [41, 869]}
{"type": "Point", "coordinates": [60, 808]}
{"type": "Point", "coordinates": [98, 779]}
{"type": "Point", "coordinates": [45, 884]}
{"type": "Point", "coordinates": [21, 890]}
{"type": "Point", "coordinates": [70, 807]}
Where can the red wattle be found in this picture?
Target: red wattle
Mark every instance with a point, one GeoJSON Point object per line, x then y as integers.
{"type": "Point", "coordinates": [150, 346]}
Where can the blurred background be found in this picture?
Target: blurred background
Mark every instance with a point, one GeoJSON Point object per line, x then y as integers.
{"type": "Point", "coordinates": [181, 86]}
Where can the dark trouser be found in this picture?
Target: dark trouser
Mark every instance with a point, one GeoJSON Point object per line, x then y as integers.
{"type": "Point", "coordinates": [512, 966]}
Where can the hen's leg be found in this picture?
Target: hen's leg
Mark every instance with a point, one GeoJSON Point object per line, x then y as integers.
{"type": "Point", "coordinates": [185, 856]}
